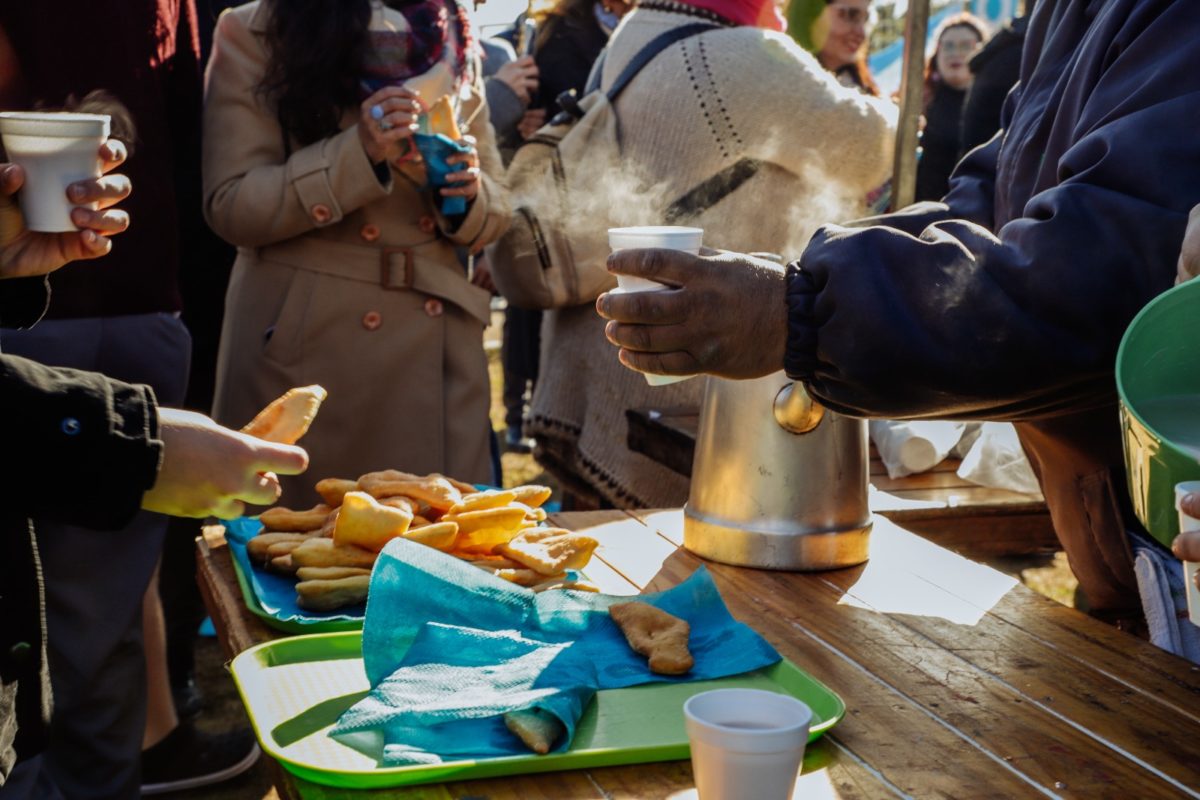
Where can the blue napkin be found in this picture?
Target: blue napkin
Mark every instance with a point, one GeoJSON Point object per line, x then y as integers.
{"type": "Point", "coordinates": [277, 593]}
{"type": "Point", "coordinates": [435, 148]}
{"type": "Point", "coordinates": [435, 625]}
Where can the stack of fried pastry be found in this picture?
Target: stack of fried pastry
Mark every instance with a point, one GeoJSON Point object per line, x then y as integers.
{"type": "Point", "coordinates": [332, 546]}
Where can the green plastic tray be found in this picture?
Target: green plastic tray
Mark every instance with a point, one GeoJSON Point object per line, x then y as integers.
{"type": "Point", "coordinates": [295, 689]}
{"type": "Point", "coordinates": [288, 626]}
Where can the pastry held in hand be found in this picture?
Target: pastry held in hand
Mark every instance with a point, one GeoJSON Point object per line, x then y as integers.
{"type": "Point", "coordinates": [661, 637]}
{"type": "Point", "coordinates": [287, 418]}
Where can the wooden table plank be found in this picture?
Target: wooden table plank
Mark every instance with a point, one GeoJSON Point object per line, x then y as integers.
{"type": "Point", "coordinates": [941, 662]}
{"type": "Point", "coordinates": [979, 673]}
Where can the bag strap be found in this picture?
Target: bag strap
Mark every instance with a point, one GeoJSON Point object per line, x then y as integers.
{"type": "Point", "coordinates": [711, 191]}
{"type": "Point", "coordinates": [651, 50]}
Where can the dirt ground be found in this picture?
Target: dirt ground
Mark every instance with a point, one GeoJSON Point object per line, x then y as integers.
{"type": "Point", "coordinates": [1048, 575]}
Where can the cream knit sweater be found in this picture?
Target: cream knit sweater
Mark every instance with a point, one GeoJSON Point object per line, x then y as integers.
{"type": "Point", "coordinates": [702, 105]}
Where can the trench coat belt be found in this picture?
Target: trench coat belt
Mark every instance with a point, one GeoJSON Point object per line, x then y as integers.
{"type": "Point", "coordinates": [390, 268]}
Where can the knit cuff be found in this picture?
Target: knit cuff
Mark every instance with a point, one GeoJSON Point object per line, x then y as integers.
{"type": "Point", "coordinates": [800, 354]}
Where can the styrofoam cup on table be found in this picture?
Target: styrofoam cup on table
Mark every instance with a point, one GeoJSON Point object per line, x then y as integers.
{"type": "Point", "coordinates": [1189, 524]}
{"type": "Point", "coordinates": [746, 743]}
{"type": "Point", "coordinates": [666, 237]}
{"type": "Point", "coordinates": [55, 149]}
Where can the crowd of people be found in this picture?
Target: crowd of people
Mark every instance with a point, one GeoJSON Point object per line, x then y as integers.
{"type": "Point", "coordinates": [287, 225]}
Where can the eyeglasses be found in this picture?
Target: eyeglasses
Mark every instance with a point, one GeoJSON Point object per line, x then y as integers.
{"type": "Point", "coordinates": [852, 15]}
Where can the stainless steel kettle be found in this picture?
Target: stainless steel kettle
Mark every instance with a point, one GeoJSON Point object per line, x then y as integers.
{"type": "Point", "coordinates": [778, 481]}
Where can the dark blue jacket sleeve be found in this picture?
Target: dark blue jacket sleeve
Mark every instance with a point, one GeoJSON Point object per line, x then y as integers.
{"type": "Point", "coordinates": [938, 312]}
{"type": "Point", "coordinates": [80, 448]}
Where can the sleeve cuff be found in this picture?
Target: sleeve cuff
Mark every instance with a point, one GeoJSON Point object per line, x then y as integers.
{"type": "Point", "coordinates": [334, 177]}
{"type": "Point", "coordinates": [470, 226]}
{"type": "Point", "coordinates": [800, 354]}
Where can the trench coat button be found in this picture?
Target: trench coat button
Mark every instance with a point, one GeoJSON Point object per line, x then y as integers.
{"type": "Point", "coordinates": [427, 224]}
{"type": "Point", "coordinates": [71, 426]}
{"type": "Point", "coordinates": [433, 307]}
{"type": "Point", "coordinates": [321, 213]}
{"type": "Point", "coordinates": [369, 232]}
{"type": "Point", "coordinates": [372, 320]}
{"type": "Point", "coordinates": [19, 654]}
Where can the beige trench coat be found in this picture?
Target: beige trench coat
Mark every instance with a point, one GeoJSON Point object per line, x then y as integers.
{"type": "Point", "coordinates": [343, 281]}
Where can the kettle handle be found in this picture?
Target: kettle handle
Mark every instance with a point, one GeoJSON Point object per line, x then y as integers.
{"type": "Point", "coordinates": [795, 410]}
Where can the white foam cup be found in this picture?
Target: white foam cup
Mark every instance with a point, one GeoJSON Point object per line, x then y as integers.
{"type": "Point", "coordinates": [1189, 524]}
{"type": "Point", "coordinates": [55, 149]}
{"type": "Point", "coordinates": [746, 743]}
{"type": "Point", "coordinates": [666, 237]}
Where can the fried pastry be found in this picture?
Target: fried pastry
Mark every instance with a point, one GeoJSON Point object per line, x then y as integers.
{"type": "Point", "coordinates": [661, 637]}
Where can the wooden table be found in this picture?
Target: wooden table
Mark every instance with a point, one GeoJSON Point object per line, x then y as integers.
{"type": "Point", "coordinates": [958, 681]}
{"type": "Point", "coordinates": [966, 517]}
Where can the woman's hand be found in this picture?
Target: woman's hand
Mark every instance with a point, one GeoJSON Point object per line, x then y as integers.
{"type": "Point", "coordinates": [385, 118]}
{"type": "Point", "coordinates": [467, 179]}
{"type": "Point", "coordinates": [533, 120]}
{"type": "Point", "coordinates": [24, 253]}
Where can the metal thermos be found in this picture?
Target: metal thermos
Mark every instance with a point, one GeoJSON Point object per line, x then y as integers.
{"type": "Point", "coordinates": [778, 481]}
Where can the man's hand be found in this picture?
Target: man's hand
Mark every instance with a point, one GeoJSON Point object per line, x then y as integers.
{"type": "Point", "coordinates": [1189, 255]}
{"type": "Point", "coordinates": [211, 470]}
{"type": "Point", "coordinates": [728, 316]}
{"type": "Point", "coordinates": [521, 76]}
{"type": "Point", "coordinates": [1187, 545]}
{"type": "Point", "coordinates": [24, 253]}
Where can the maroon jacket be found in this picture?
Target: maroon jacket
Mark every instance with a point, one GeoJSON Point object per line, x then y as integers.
{"type": "Point", "coordinates": [147, 54]}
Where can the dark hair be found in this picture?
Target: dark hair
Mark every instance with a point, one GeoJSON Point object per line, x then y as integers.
{"type": "Point", "coordinates": [932, 76]}
{"type": "Point", "coordinates": [316, 61]}
{"type": "Point", "coordinates": [580, 11]}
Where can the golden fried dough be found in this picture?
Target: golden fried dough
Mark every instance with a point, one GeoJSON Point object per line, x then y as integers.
{"type": "Point", "coordinates": [506, 517]}
{"type": "Point", "coordinates": [258, 545]}
{"type": "Point", "coordinates": [285, 519]}
{"type": "Point", "coordinates": [439, 535]}
{"type": "Point", "coordinates": [287, 418]}
{"type": "Point", "coordinates": [550, 550]}
{"type": "Point", "coordinates": [332, 490]}
{"type": "Point", "coordinates": [329, 573]}
{"type": "Point", "coordinates": [661, 637]}
{"type": "Point", "coordinates": [538, 729]}
{"type": "Point", "coordinates": [282, 564]}
{"type": "Point", "coordinates": [321, 552]}
{"type": "Point", "coordinates": [326, 595]}
{"type": "Point", "coordinates": [478, 501]}
{"type": "Point", "coordinates": [532, 495]}
{"type": "Point", "coordinates": [364, 522]}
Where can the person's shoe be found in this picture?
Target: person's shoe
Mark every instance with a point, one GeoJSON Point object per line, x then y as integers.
{"type": "Point", "coordinates": [515, 442]}
{"type": "Point", "coordinates": [188, 758]}
{"type": "Point", "coordinates": [189, 700]}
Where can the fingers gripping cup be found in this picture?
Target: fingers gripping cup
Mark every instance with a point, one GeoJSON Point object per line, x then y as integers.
{"type": "Point", "coordinates": [664, 237]}
{"type": "Point", "coordinates": [746, 743]}
{"type": "Point", "coordinates": [55, 150]}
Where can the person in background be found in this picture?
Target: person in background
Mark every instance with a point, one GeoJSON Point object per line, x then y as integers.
{"type": "Point", "coordinates": [348, 273]}
{"type": "Point", "coordinates": [123, 452]}
{"type": "Point", "coordinates": [750, 108]}
{"type": "Point", "coordinates": [947, 80]}
{"type": "Point", "coordinates": [996, 69]}
{"type": "Point", "coordinates": [836, 31]}
{"type": "Point", "coordinates": [107, 644]}
{"type": "Point", "coordinates": [1006, 301]}
{"type": "Point", "coordinates": [510, 84]}
{"type": "Point", "coordinates": [570, 36]}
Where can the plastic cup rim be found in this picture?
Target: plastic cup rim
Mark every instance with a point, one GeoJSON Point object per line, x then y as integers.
{"type": "Point", "coordinates": [804, 722]}
{"type": "Point", "coordinates": [55, 124]}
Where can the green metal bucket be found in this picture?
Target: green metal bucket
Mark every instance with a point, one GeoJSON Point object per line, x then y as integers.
{"type": "Point", "coordinates": [1159, 356]}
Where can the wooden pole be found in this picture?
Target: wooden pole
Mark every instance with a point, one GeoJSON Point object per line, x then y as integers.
{"type": "Point", "coordinates": [904, 176]}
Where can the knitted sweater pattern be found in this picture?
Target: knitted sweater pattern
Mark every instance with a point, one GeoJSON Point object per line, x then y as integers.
{"type": "Point", "coordinates": [699, 107]}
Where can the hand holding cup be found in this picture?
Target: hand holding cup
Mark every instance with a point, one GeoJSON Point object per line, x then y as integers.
{"type": "Point", "coordinates": [24, 252]}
